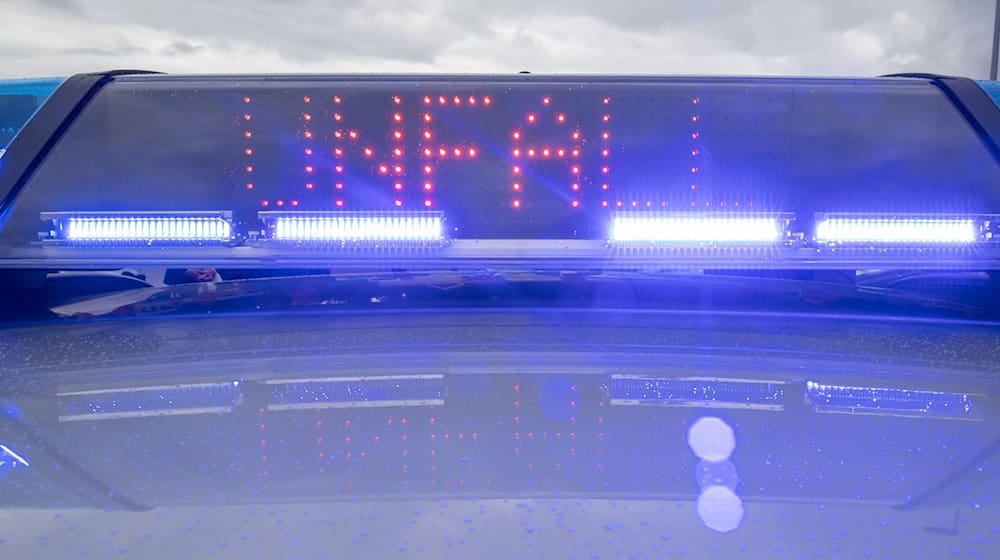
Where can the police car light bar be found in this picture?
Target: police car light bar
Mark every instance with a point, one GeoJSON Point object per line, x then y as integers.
{"type": "Point", "coordinates": [353, 226]}
{"type": "Point", "coordinates": [846, 229]}
{"type": "Point", "coordinates": [169, 227]}
{"type": "Point", "coordinates": [697, 228]}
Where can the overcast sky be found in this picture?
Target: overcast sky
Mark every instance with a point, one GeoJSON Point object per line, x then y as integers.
{"type": "Point", "coordinates": [840, 37]}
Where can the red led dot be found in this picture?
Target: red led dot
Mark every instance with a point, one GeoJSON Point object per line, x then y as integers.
{"type": "Point", "coordinates": [398, 152]}
{"type": "Point", "coordinates": [694, 187]}
{"type": "Point", "coordinates": [309, 169]}
{"type": "Point", "coordinates": [605, 152]}
{"type": "Point", "coordinates": [428, 169]}
{"type": "Point", "coordinates": [339, 202]}
{"type": "Point", "coordinates": [634, 204]}
{"type": "Point", "coordinates": [338, 186]}
{"type": "Point", "coordinates": [280, 203]}
{"type": "Point", "coordinates": [619, 204]}
{"type": "Point", "coordinates": [604, 186]}
{"type": "Point", "coordinates": [249, 169]}
{"type": "Point", "coordinates": [307, 99]}
{"type": "Point", "coordinates": [517, 135]}
{"type": "Point", "coordinates": [575, 186]}
{"type": "Point", "coordinates": [264, 203]}
{"type": "Point", "coordinates": [248, 151]}
{"type": "Point", "coordinates": [397, 99]}
{"type": "Point", "coordinates": [605, 169]}
{"type": "Point", "coordinates": [397, 169]}
{"type": "Point", "coordinates": [369, 152]}
{"type": "Point", "coordinates": [383, 169]}
{"type": "Point", "coordinates": [695, 135]}
{"type": "Point", "coordinates": [561, 152]}
{"type": "Point", "coordinates": [694, 170]}
{"type": "Point", "coordinates": [442, 152]}
{"type": "Point", "coordinates": [249, 186]}
{"type": "Point", "coordinates": [531, 152]}
{"type": "Point", "coordinates": [427, 117]}
{"type": "Point", "coordinates": [428, 186]}
{"type": "Point", "coordinates": [336, 99]}
{"type": "Point", "coordinates": [307, 116]}
{"type": "Point", "coordinates": [309, 151]}
{"type": "Point", "coordinates": [338, 152]}
{"type": "Point", "coordinates": [398, 117]}
{"type": "Point", "coordinates": [472, 100]}
{"type": "Point", "coordinates": [576, 135]}
{"type": "Point", "coordinates": [517, 152]}
{"type": "Point", "coordinates": [338, 117]}
{"type": "Point", "coordinates": [442, 100]}
{"type": "Point", "coordinates": [338, 134]}
{"type": "Point", "coordinates": [695, 118]}
{"type": "Point", "coordinates": [694, 152]}
{"type": "Point", "coordinates": [427, 134]}
{"type": "Point", "coordinates": [576, 204]}
{"type": "Point", "coordinates": [487, 100]}
{"type": "Point", "coordinates": [517, 170]}
{"type": "Point", "coordinates": [605, 135]}
{"type": "Point", "coordinates": [246, 117]}
{"type": "Point", "coordinates": [427, 100]}
{"type": "Point", "coordinates": [399, 202]}
{"type": "Point", "coordinates": [575, 170]}
{"type": "Point", "coordinates": [517, 186]}
{"type": "Point", "coordinates": [248, 134]}
{"type": "Point", "coordinates": [575, 153]}
{"type": "Point", "coordinates": [516, 203]}
{"type": "Point", "coordinates": [398, 186]}
{"type": "Point", "coordinates": [606, 118]}
{"type": "Point", "coordinates": [428, 203]}
{"type": "Point", "coordinates": [604, 203]}
{"type": "Point", "coordinates": [353, 134]}
{"type": "Point", "coordinates": [339, 168]}
{"type": "Point", "coordinates": [246, 99]}
{"type": "Point", "coordinates": [561, 118]}
{"type": "Point", "coordinates": [295, 203]}
{"type": "Point", "coordinates": [427, 152]}
{"type": "Point", "coordinates": [458, 152]}
{"type": "Point", "coordinates": [696, 100]}
{"type": "Point", "coordinates": [546, 100]}
{"type": "Point", "coordinates": [546, 152]}
{"type": "Point", "coordinates": [457, 100]}
{"type": "Point", "coordinates": [472, 152]}
{"type": "Point", "coordinates": [307, 134]}
{"type": "Point", "coordinates": [531, 117]}
{"type": "Point", "coordinates": [309, 186]}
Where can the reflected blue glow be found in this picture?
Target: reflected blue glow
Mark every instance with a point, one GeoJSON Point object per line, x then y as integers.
{"type": "Point", "coordinates": [720, 509]}
{"type": "Point", "coordinates": [137, 402]}
{"type": "Point", "coordinates": [10, 461]}
{"type": "Point", "coordinates": [894, 402]}
{"type": "Point", "coordinates": [711, 439]}
{"type": "Point", "coordinates": [347, 226]}
{"type": "Point", "coordinates": [357, 392]}
{"type": "Point", "coordinates": [696, 392]}
{"type": "Point", "coordinates": [717, 473]}
{"type": "Point", "coordinates": [695, 229]}
{"type": "Point", "coordinates": [144, 227]}
{"type": "Point", "coordinates": [896, 230]}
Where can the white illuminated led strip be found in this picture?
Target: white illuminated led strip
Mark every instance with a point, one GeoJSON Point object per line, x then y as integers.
{"type": "Point", "coordinates": [144, 228]}
{"type": "Point", "coordinates": [352, 227]}
{"type": "Point", "coordinates": [696, 229]}
{"type": "Point", "coordinates": [896, 230]}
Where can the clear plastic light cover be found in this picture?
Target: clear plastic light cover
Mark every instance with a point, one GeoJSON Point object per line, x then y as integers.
{"type": "Point", "coordinates": [19, 99]}
{"type": "Point", "coordinates": [696, 228]}
{"type": "Point", "coordinates": [353, 226]}
{"type": "Point", "coordinates": [892, 402]}
{"type": "Point", "coordinates": [140, 227]}
{"type": "Point", "coordinates": [915, 230]}
{"type": "Point", "coordinates": [138, 402]}
{"type": "Point", "coordinates": [357, 392]}
{"type": "Point", "coordinates": [522, 170]}
{"type": "Point", "coordinates": [696, 392]}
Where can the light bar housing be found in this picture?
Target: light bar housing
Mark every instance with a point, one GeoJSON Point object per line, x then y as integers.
{"type": "Point", "coordinates": [700, 392]}
{"type": "Point", "coordinates": [354, 227]}
{"type": "Point", "coordinates": [139, 227]}
{"type": "Point", "coordinates": [139, 402]}
{"type": "Point", "coordinates": [890, 402]}
{"type": "Point", "coordinates": [698, 228]}
{"type": "Point", "coordinates": [357, 392]}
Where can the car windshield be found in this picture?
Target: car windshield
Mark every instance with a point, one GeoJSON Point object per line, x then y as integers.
{"type": "Point", "coordinates": [501, 317]}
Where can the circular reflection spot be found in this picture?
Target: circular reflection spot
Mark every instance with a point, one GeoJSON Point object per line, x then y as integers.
{"type": "Point", "coordinates": [720, 509]}
{"type": "Point", "coordinates": [711, 439]}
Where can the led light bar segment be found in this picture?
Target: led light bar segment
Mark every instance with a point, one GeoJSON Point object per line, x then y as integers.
{"type": "Point", "coordinates": [141, 226]}
{"type": "Point", "coordinates": [357, 392]}
{"type": "Point", "coordinates": [896, 230]}
{"type": "Point", "coordinates": [354, 226]}
{"type": "Point", "coordinates": [697, 228]}
{"type": "Point", "coordinates": [696, 392]}
{"type": "Point", "coordinates": [138, 402]}
{"type": "Point", "coordinates": [890, 402]}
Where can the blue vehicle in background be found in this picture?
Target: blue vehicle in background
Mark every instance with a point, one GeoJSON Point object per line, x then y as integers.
{"type": "Point", "coordinates": [365, 316]}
